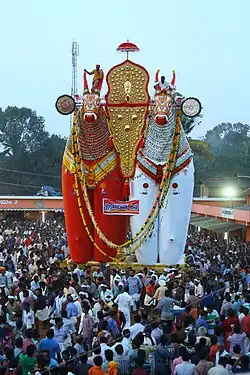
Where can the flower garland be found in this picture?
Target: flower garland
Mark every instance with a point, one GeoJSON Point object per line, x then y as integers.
{"type": "Point", "coordinates": [78, 170]}
{"type": "Point", "coordinates": [158, 204]}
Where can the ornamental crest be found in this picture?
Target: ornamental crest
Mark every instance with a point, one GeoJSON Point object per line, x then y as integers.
{"type": "Point", "coordinates": [127, 104]}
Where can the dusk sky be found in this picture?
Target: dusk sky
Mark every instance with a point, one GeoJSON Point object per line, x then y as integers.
{"type": "Point", "coordinates": [205, 41]}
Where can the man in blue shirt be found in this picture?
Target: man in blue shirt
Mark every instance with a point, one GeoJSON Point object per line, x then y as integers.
{"type": "Point", "coordinates": [71, 309]}
{"type": "Point", "coordinates": [208, 298]}
{"type": "Point", "coordinates": [50, 344]}
{"type": "Point", "coordinates": [201, 321]}
{"type": "Point", "coordinates": [112, 325]}
{"type": "Point", "coordinates": [134, 289]}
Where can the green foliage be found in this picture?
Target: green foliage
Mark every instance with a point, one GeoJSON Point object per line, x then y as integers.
{"type": "Point", "coordinates": [25, 146]}
{"type": "Point", "coordinates": [230, 146]}
{"type": "Point", "coordinates": [200, 148]}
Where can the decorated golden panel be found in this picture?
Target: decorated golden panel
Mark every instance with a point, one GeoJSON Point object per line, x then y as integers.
{"type": "Point", "coordinates": [128, 83]}
{"type": "Point", "coordinates": [126, 125]}
{"type": "Point", "coordinates": [127, 104]}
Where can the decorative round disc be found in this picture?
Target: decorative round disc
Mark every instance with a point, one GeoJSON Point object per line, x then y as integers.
{"type": "Point", "coordinates": [65, 104]}
{"type": "Point", "coordinates": [191, 107]}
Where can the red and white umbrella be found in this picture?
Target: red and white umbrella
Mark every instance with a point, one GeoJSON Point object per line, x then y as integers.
{"type": "Point", "coordinates": [127, 47]}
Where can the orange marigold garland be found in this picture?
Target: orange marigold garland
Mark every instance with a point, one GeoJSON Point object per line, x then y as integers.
{"type": "Point", "coordinates": [159, 202]}
{"type": "Point", "coordinates": [78, 170]}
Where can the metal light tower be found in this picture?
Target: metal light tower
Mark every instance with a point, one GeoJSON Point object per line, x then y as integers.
{"type": "Point", "coordinates": [75, 54]}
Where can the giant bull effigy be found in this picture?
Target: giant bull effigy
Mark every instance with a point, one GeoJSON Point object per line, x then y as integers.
{"type": "Point", "coordinates": [127, 174]}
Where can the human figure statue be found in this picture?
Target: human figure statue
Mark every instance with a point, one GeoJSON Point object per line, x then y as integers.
{"type": "Point", "coordinates": [163, 86]}
{"type": "Point", "coordinates": [97, 79]}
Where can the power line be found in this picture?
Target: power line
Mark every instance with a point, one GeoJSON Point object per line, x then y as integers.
{"type": "Point", "coordinates": [22, 185]}
{"type": "Point", "coordinates": [29, 173]}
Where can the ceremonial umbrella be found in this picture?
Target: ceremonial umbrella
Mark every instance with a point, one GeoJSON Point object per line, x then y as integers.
{"type": "Point", "coordinates": [127, 47]}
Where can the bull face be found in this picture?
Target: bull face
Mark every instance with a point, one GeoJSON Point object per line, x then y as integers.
{"type": "Point", "coordinates": [91, 107]}
{"type": "Point", "coordinates": [92, 103]}
{"type": "Point", "coordinates": [162, 108]}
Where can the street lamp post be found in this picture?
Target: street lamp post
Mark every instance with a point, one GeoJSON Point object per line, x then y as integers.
{"type": "Point", "coordinates": [230, 193]}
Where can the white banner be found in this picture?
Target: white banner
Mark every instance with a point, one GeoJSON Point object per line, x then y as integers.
{"type": "Point", "coordinates": [227, 213]}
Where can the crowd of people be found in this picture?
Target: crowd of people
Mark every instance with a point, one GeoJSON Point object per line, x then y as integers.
{"type": "Point", "coordinates": [59, 318]}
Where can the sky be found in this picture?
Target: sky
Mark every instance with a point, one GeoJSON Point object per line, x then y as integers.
{"type": "Point", "coordinates": [207, 42]}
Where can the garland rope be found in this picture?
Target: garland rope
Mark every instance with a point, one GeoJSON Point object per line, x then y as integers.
{"type": "Point", "coordinates": [78, 169]}
{"type": "Point", "coordinates": [77, 165]}
{"type": "Point", "coordinates": [158, 204]}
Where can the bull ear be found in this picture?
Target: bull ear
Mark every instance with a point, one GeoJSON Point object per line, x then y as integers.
{"type": "Point", "coordinates": [85, 83]}
{"type": "Point", "coordinates": [179, 99]}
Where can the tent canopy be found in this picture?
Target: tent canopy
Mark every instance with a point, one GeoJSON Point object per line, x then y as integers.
{"type": "Point", "coordinates": [213, 224]}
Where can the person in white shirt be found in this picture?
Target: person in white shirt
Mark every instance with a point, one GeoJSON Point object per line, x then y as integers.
{"type": "Point", "coordinates": [104, 346]}
{"type": "Point", "coordinates": [137, 327]}
{"type": "Point", "coordinates": [68, 289]}
{"type": "Point", "coordinates": [125, 303]}
{"type": "Point", "coordinates": [35, 283]}
{"type": "Point", "coordinates": [97, 307]}
{"type": "Point", "coordinates": [105, 292]}
{"type": "Point", "coordinates": [97, 273]}
{"type": "Point", "coordinates": [52, 259]}
{"type": "Point", "coordinates": [58, 304]}
{"type": "Point", "coordinates": [163, 85]}
{"type": "Point", "coordinates": [198, 288]}
{"type": "Point", "coordinates": [28, 317]}
{"type": "Point", "coordinates": [31, 294]}
{"type": "Point", "coordinates": [32, 267]}
{"type": "Point", "coordinates": [126, 341]}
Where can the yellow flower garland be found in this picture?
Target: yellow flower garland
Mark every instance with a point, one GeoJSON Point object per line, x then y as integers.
{"type": "Point", "coordinates": [164, 186]}
{"type": "Point", "coordinates": [77, 169]}
{"type": "Point", "coordinates": [163, 189]}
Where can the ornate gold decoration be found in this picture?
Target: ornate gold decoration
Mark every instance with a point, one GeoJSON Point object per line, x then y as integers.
{"type": "Point", "coordinates": [93, 172]}
{"type": "Point", "coordinates": [127, 107]}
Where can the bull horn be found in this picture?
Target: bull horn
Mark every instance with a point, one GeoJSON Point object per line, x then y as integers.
{"type": "Point", "coordinates": [85, 82]}
{"type": "Point", "coordinates": [157, 75]}
{"type": "Point", "coordinates": [173, 78]}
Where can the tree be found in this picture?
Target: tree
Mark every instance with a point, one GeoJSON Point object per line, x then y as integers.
{"type": "Point", "coordinates": [48, 159]}
{"type": "Point", "coordinates": [29, 156]}
{"type": "Point", "coordinates": [230, 146]}
{"type": "Point", "coordinates": [200, 147]}
{"type": "Point", "coordinates": [21, 130]}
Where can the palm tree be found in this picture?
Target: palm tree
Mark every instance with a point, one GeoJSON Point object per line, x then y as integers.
{"type": "Point", "coordinates": [199, 147]}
